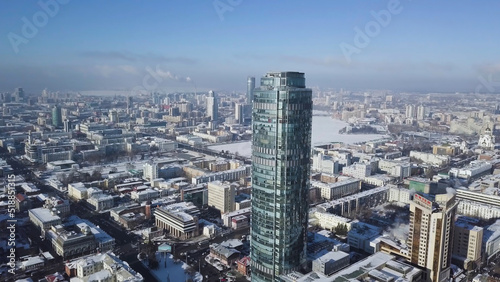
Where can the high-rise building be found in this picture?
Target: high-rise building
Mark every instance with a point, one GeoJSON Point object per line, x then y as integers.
{"type": "Point", "coordinates": [57, 116]}
{"type": "Point", "coordinates": [212, 106]}
{"type": "Point", "coordinates": [67, 125]}
{"type": "Point", "coordinates": [250, 89]}
{"type": "Point", "coordinates": [421, 112]}
{"type": "Point", "coordinates": [431, 234]}
{"type": "Point", "coordinates": [221, 196]}
{"type": "Point", "coordinates": [410, 111]}
{"type": "Point", "coordinates": [282, 122]}
{"type": "Point", "coordinates": [238, 113]}
{"type": "Point", "coordinates": [113, 116]}
{"type": "Point", "coordinates": [467, 243]}
{"type": "Point", "coordinates": [19, 95]}
{"type": "Point", "coordinates": [129, 102]}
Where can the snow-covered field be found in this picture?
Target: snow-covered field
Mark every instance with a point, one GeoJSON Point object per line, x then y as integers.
{"type": "Point", "coordinates": [325, 130]}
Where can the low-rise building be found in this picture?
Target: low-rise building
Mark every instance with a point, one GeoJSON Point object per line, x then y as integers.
{"type": "Point", "coordinates": [330, 191]}
{"type": "Point", "coordinates": [56, 203]}
{"type": "Point", "coordinates": [44, 218]}
{"type": "Point", "coordinates": [358, 170]}
{"type": "Point", "coordinates": [77, 191]}
{"type": "Point", "coordinates": [377, 267]}
{"type": "Point", "coordinates": [101, 267]}
{"type": "Point", "coordinates": [331, 262]}
{"type": "Point", "coordinates": [180, 219]}
{"type": "Point", "coordinates": [101, 202]}
{"type": "Point", "coordinates": [227, 256]}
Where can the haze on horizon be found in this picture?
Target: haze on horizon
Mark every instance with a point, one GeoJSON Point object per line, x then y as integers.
{"type": "Point", "coordinates": [199, 45]}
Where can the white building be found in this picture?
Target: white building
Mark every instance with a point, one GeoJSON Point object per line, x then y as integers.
{"type": "Point", "coordinates": [221, 196]}
{"type": "Point", "coordinates": [44, 218]}
{"type": "Point", "coordinates": [180, 219]}
{"type": "Point", "coordinates": [491, 241]}
{"type": "Point", "coordinates": [429, 158]}
{"type": "Point", "coordinates": [467, 243]}
{"type": "Point", "coordinates": [351, 204]}
{"type": "Point", "coordinates": [487, 140]}
{"type": "Point", "coordinates": [379, 179]}
{"type": "Point", "coordinates": [358, 170]}
{"type": "Point", "coordinates": [377, 267]}
{"type": "Point", "coordinates": [101, 202]}
{"type": "Point", "coordinates": [477, 204]}
{"type": "Point", "coordinates": [228, 175]}
{"type": "Point", "coordinates": [32, 263]}
{"type": "Point", "coordinates": [472, 171]}
{"type": "Point", "coordinates": [61, 206]}
{"type": "Point", "coordinates": [330, 262]}
{"type": "Point", "coordinates": [361, 234]}
{"type": "Point", "coordinates": [399, 196]}
{"type": "Point", "coordinates": [330, 191]}
{"type": "Point", "coordinates": [144, 195]}
{"type": "Point", "coordinates": [330, 221]}
{"type": "Point", "coordinates": [77, 191]}
{"type": "Point", "coordinates": [103, 267]}
{"type": "Point", "coordinates": [398, 167]}
{"type": "Point", "coordinates": [228, 217]}
{"type": "Point", "coordinates": [164, 145]}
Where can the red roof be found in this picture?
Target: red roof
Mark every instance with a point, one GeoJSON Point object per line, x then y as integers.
{"type": "Point", "coordinates": [20, 197]}
{"type": "Point", "coordinates": [245, 260]}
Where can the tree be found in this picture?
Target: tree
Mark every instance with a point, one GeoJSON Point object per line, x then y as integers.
{"type": "Point", "coordinates": [341, 229]}
{"type": "Point", "coordinates": [96, 175]}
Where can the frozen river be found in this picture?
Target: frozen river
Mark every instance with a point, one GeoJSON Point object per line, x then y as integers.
{"type": "Point", "coordinates": [324, 130]}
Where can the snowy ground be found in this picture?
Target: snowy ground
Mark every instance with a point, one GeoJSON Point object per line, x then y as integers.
{"type": "Point", "coordinates": [175, 271]}
{"type": "Point", "coordinates": [325, 130]}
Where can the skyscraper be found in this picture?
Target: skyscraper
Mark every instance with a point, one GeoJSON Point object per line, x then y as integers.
{"type": "Point", "coordinates": [431, 234]}
{"type": "Point", "coordinates": [282, 122]}
{"type": "Point", "coordinates": [212, 106]}
{"type": "Point", "coordinates": [57, 116]}
{"type": "Point", "coordinates": [250, 89]}
{"type": "Point", "coordinates": [19, 95]}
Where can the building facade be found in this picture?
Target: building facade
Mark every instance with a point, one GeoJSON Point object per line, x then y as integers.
{"type": "Point", "coordinates": [431, 234]}
{"type": "Point", "coordinates": [281, 124]}
{"type": "Point", "coordinates": [221, 196]}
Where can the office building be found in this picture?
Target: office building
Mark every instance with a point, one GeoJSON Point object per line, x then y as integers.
{"type": "Point", "coordinates": [282, 122]}
{"type": "Point", "coordinates": [221, 196]}
{"type": "Point", "coordinates": [57, 116]}
{"type": "Point", "coordinates": [212, 106]}
{"type": "Point", "coordinates": [467, 243]}
{"type": "Point", "coordinates": [431, 234]}
{"type": "Point", "coordinates": [19, 95]}
{"type": "Point", "coordinates": [250, 89]}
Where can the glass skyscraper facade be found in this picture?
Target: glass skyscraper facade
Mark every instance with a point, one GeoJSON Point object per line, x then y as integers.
{"type": "Point", "coordinates": [250, 89]}
{"type": "Point", "coordinates": [281, 148]}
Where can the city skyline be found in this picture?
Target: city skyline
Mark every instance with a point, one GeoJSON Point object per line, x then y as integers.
{"type": "Point", "coordinates": [397, 45]}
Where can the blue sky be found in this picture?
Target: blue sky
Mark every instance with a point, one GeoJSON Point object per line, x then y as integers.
{"type": "Point", "coordinates": [188, 44]}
